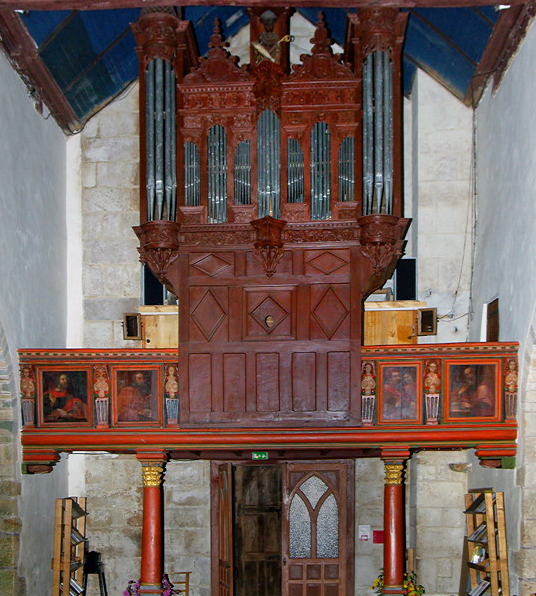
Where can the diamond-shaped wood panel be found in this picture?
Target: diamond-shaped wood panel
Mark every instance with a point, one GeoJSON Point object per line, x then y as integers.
{"type": "Point", "coordinates": [208, 315]}
{"type": "Point", "coordinates": [327, 262]}
{"type": "Point", "coordinates": [269, 313]}
{"type": "Point", "coordinates": [330, 312]}
{"type": "Point", "coordinates": [213, 265]}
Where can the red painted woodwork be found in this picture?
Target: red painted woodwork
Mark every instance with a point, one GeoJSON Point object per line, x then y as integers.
{"type": "Point", "coordinates": [152, 521]}
{"type": "Point", "coordinates": [493, 439]}
{"type": "Point", "coordinates": [393, 520]}
{"type": "Point", "coordinates": [274, 349]}
{"type": "Point", "coordinates": [151, 540]}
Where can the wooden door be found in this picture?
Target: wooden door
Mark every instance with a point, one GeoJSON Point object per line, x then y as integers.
{"type": "Point", "coordinates": [257, 532]}
{"type": "Point", "coordinates": [318, 529]}
{"type": "Point", "coordinates": [222, 545]}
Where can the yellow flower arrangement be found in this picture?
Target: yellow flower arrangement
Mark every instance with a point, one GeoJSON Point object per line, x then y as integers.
{"type": "Point", "coordinates": [411, 586]}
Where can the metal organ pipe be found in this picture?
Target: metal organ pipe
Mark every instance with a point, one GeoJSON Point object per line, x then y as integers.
{"type": "Point", "coordinates": [378, 133]}
{"type": "Point", "coordinates": [295, 171]}
{"type": "Point", "coordinates": [347, 170]}
{"type": "Point", "coordinates": [320, 171]}
{"type": "Point", "coordinates": [149, 137]}
{"type": "Point", "coordinates": [160, 140]}
{"type": "Point", "coordinates": [217, 174]}
{"type": "Point", "coordinates": [192, 175]}
{"type": "Point", "coordinates": [159, 137]}
{"type": "Point", "coordinates": [268, 164]}
{"type": "Point", "coordinates": [243, 173]}
{"type": "Point", "coordinates": [368, 142]}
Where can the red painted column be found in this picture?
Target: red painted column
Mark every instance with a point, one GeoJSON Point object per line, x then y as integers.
{"type": "Point", "coordinates": [394, 545]}
{"type": "Point", "coordinates": [152, 543]}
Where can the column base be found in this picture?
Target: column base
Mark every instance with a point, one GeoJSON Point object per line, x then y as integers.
{"type": "Point", "coordinates": [394, 590]}
{"type": "Point", "coordinates": [150, 589]}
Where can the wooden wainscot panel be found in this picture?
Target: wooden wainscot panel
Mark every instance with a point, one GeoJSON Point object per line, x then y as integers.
{"type": "Point", "coordinates": [267, 385]}
{"type": "Point", "coordinates": [330, 310]}
{"type": "Point", "coordinates": [208, 319]}
{"type": "Point", "coordinates": [269, 313]}
{"type": "Point", "coordinates": [327, 262]}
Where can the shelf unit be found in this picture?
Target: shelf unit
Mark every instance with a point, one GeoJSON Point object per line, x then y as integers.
{"type": "Point", "coordinates": [486, 537]}
{"type": "Point", "coordinates": [70, 545]}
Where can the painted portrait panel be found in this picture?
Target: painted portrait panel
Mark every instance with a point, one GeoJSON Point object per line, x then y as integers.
{"type": "Point", "coordinates": [135, 392]}
{"type": "Point", "coordinates": [472, 390]}
{"type": "Point", "coordinates": [64, 396]}
{"type": "Point", "coordinates": [400, 392]}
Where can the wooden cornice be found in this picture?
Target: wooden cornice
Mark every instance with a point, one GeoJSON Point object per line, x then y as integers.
{"type": "Point", "coordinates": [503, 43]}
{"type": "Point", "coordinates": [110, 4]}
{"type": "Point", "coordinates": [42, 88]}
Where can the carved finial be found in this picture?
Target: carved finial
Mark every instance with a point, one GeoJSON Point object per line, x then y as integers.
{"type": "Point", "coordinates": [321, 42]}
{"type": "Point", "coordinates": [216, 39]}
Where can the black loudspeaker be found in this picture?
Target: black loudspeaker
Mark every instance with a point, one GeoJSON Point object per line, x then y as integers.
{"type": "Point", "coordinates": [405, 279]}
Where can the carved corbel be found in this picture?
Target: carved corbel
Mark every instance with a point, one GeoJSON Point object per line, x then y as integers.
{"type": "Point", "coordinates": [381, 240]}
{"type": "Point", "coordinates": [268, 242]}
{"type": "Point", "coordinates": [159, 246]}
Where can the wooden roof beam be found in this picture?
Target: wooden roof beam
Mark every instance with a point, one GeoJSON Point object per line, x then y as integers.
{"type": "Point", "coordinates": [110, 4]}
{"type": "Point", "coordinates": [503, 43]}
{"type": "Point", "coordinates": [42, 88]}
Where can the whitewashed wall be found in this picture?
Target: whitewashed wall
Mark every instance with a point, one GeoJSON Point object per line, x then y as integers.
{"type": "Point", "coordinates": [33, 295]}
{"type": "Point", "coordinates": [505, 268]}
{"type": "Point", "coordinates": [441, 172]}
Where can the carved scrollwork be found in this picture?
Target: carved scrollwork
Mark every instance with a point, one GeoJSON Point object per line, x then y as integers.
{"type": "Point", "coordinates": [219, 66]}
{"type": "Point", "coordinates": [322, 63]}
{"type": "Point", "coordinates": [268, 242]}
{"type": "Point", "coordinates": [159, 248]}
{"type": "Point", "coordinates": [157, 35]}
{"type": "Point", "coordinates": [379, 254]}
{"type": "Point", "coordinates": [379, 28]}
{"type": "Point", "coordinates": [380, 239]}
{"type": "Point", "coordinates": [394, 473]}
{"type": "Point", "coordinates": [152, 475]}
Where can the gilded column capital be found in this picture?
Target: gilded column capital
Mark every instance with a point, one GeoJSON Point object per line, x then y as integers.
{"type": "Point", "coordinates": [394, 473]}
{"type": "Point", "coordinates": [152, 475]}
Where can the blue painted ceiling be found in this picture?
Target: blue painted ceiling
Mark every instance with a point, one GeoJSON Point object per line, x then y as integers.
{"type": "Point", "coordinates": [91, 53]}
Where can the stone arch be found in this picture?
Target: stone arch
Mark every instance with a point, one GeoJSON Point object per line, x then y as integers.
{"type": "Point", "coordinates": [10, 523]}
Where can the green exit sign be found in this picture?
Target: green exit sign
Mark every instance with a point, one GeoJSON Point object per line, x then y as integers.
{"type": "Point", "coordinates": [259, 455]}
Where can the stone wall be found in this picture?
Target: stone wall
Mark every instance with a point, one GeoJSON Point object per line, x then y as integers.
{"type": "Point", "coordinates": [113, 486]}
{"type": "Point", "coordinates": [110, 207]}
{"type": "Point", "coordinates": [435, 508]}
{"type": "Point", "coordinates": [442, 149]}
{"type": "Point", "coordinates": [369, 476]}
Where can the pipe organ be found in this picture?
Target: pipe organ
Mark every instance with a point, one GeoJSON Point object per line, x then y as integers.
{"type": "Point", "coordinates": [271, 206]}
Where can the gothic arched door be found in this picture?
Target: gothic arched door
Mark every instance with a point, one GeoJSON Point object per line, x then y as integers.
{"type": "Point", "coordinates": [318, 529]}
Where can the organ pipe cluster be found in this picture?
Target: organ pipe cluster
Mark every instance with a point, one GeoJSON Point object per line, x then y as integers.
{"type": "Point", "coordinates": [377, 133]}
{"type": "Point", "coordinates": [268, 164]}
{"type": "Point", "coordinates": [217, 174]}
{"type": "Point", "coordinates": [320, 171]}
{"type": "Point", "coordinates": [161, 151]}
